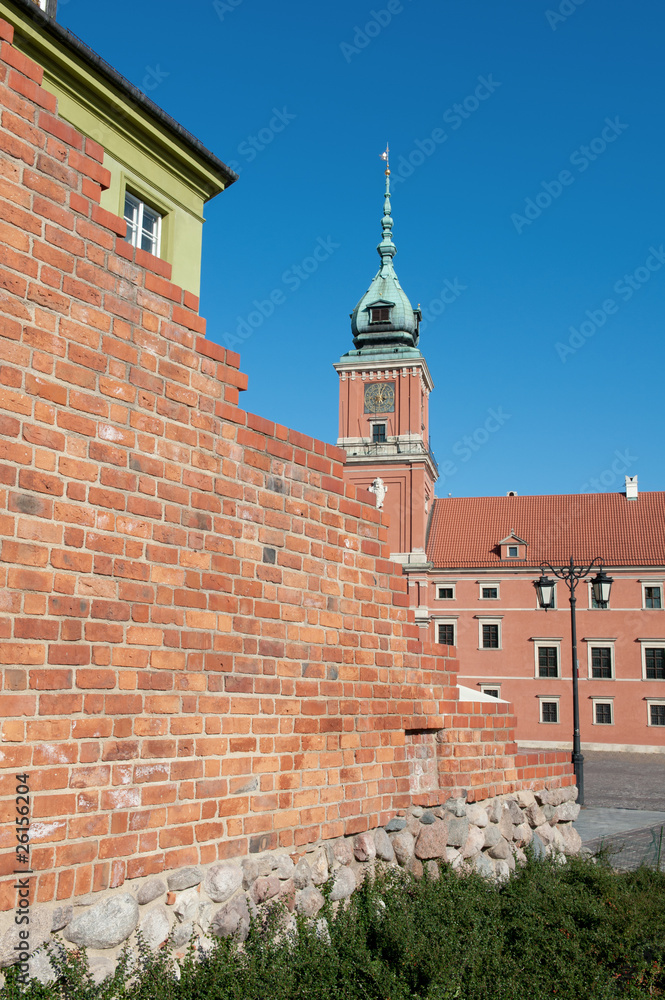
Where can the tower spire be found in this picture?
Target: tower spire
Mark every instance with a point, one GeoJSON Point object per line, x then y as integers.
{"type": "Point", "coordinates": [384, 321]}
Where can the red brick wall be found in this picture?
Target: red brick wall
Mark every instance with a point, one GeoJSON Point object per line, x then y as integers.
{"type": "Point", "coordinates": [205, 651]}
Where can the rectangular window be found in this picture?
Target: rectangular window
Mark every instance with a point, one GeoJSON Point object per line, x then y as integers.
{"type": "Point", "coordinates": [602, 713]}
{"type": "Point", "coordinates": [652, 597]}
{"type": "Point", "coordinates": [493, 692]}
{"type": "Point", "coordinates": [601, 662]}
{"type": "Point", "coordinates": [144, 225]}
{"type": "Point", "coordinates": [446, 634]}
{"type": "Point", "coordinates": [549, 711]}
{"type": "Point", "coordinates": [489, 593]}
{"type": "Point", "coordinates": [512, 551]}
{"type": "Point", "coordinates": [490, 636]}
{"type": "Point", "coordinates": [446, 593]}
{"type": "Point", "coordinates": [548, 661]}
{"type": "Point", "coordinates": [654, 662]}
{"type": "Point", "coordinates": [657, 715]}
{"type": "Point", "coordinates": [378, 433]}
{"type": "Point", "coordinates": [380, 314]}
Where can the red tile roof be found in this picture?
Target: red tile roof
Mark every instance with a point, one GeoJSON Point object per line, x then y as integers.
{"type": "Point", "coordinates": [466, 531]}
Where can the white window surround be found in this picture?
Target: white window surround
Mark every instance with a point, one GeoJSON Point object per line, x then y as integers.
{"type": "Point", "coordinates": [492, 689]}
{"type": "Point", "coordinates": [650, 702]}
{"type": "Point", "coordinates": [444, 585]}
{"type": "Point", "coordinates": [542, 699]}
{"type": "Point", "coordinates": [651, 583]}
{"type": "Point", "coordinates": [537, 644]}
{"type": "Point", "coordinates": [144, 224]}
{"type": "Point", "coordinates": [451, 620]}
{"type": "Point", "coordinates": [487, 620]}
{"type": "Point", "coordinates": [650, 644]}
{"type": "Point", "coordinates": [602, 644]}
{"type": "Point", "coordinates": [602, 701]}
{"type": "Point", "coordinates": [489, 583]}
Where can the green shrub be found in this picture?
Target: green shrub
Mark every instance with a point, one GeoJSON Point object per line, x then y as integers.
{"type": "Point", "coordinates": [578, 931]}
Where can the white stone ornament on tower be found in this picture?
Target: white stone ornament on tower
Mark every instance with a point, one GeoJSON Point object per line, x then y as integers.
{"type": "Point", "coordinates": [379, 489]}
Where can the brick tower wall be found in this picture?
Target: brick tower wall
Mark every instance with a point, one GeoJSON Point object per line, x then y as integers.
{"type": "Point", "coordinates": [205, 651]}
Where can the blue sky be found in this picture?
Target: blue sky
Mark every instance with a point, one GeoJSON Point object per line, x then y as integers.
{"type": "Point", "coordinates": [529, 219]}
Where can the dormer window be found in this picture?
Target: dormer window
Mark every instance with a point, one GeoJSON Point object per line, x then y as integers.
{"type": "Point", "coordinates": [512, 547]}
{"type": "Point", "coordinates": [380, 314]}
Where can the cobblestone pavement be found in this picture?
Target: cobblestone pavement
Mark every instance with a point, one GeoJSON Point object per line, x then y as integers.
{"type": "Point", "coordinates": [624, 780]}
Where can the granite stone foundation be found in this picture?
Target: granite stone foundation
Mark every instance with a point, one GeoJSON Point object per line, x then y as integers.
{"type": "Point", "coordinates": [219, 900]}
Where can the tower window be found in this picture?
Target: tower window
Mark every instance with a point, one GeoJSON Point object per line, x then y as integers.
{"type": "Point", "coordinates": [380, 314]}
{"type": "Point", "coordinates": [144, 225]}
{"type": "Point", "coordinates": [378, 433]}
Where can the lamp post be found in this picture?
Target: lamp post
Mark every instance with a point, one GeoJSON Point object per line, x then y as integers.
{"type": "Point", "coordinates": [602, 584]}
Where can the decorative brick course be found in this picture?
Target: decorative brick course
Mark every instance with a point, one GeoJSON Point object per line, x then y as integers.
{"type": "Point", "coordinates": [206, 651]}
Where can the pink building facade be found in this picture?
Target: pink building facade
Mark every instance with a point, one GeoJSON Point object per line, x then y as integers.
{"type": "Point", "coordinates": [472, 563]}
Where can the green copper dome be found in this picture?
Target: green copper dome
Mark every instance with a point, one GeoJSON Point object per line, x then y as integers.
{"type": "Point", "coordinates": [384, 322]}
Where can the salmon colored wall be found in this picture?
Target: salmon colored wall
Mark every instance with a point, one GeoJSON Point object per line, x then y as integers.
{"type": "Point", "coordinates": [514, 665]}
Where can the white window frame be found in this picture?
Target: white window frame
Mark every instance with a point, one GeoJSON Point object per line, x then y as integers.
{"type": "Point", "coordinates": [537, 644]}
{"type": "Point", "coordinates": [602, 644]}
{"type": "Point", "coordinates": [512, 555]}
{"type": "Point", "coordinates": [490, 620]}
{"type": "Point", "coordinates": [445, 621]}
{"type": "Point", "coordinates": [378, 423]}
{"type": "Point", "coordinates": [602, 701]}
{"type": "Point", "coordinates": [485, 689]}
{"type": "Point", "coordinates": [448, 586]}
{"type": "Point", "coordinates": [140, 204]}
{"type": "Point", "coordinates": [541, 701]}
{"type": "Point", "coordinates": [651, 583]}
{"type": "Point", "coordinates": [650, 702]}
{"type": "Point", "coordinates": [489, 583]}
{"type": "Point", "coordinates": [651, 644]}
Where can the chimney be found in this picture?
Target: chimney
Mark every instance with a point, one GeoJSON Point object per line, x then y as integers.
{"type": "Point", "coordinates": [49, 7]}
{"type": "Point", "coordinates": [631, 487]}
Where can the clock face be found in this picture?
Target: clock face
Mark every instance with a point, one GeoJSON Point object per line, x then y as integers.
{"type": "Point", "coordinates": [380, 397]}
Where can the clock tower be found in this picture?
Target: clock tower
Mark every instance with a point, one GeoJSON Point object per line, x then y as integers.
{"type": "Point", "coordinates": [384, 387]}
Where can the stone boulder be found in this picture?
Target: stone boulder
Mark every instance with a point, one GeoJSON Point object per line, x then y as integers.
{"type": "Point", "coordinates": [344, 884]}
{"type": "Point", "coordinates": [283, 867]}
{"type": "Point", "coordinates": [567, 812]}
{"type": "Point", "coordinates": [458, 831]}
{"type": "Point", "coordinates": [302, 875]}
{"type": "Point", "coordinates": [343, 851]}
{"type": "Point", "coordinates": [222, 881]}
{"type": "Point", "coordinates": [535, 815]}
{"type": "Point", "coordinates": [265, 887]}
{"type": "Point", "coordinates": [184, 878]}
{"type": "Point", "coordinates": [384, 849]}
{"type": "Point", "coordinates": [155, 926]}
{"type": "Point", "coordinates": [474, 842]}
{"type": "Point", "coordinates": [308, 901]}
{"type": "Point", "coordinates": [500, 851]}
{"type": "Point", "coordinates": [187, 905]}
{"type": "Point", "coordinates": [232, 919]}
{"type": "Point", "coordinates": [477, 815]}
{"type": "Point", "coordinates": [363, 847]}
{"type": "Point", "coordinates": [105, 925]}
{"type": "Point", "coordinates": [150, 890]}
{"type": "Point", "coordinates": [403, 846]}
{"type": "Point", "coordinates": [432, 841]}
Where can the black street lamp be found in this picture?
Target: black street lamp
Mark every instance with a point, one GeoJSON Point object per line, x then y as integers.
{"type": "Point", "coordinates": [601, 584]}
